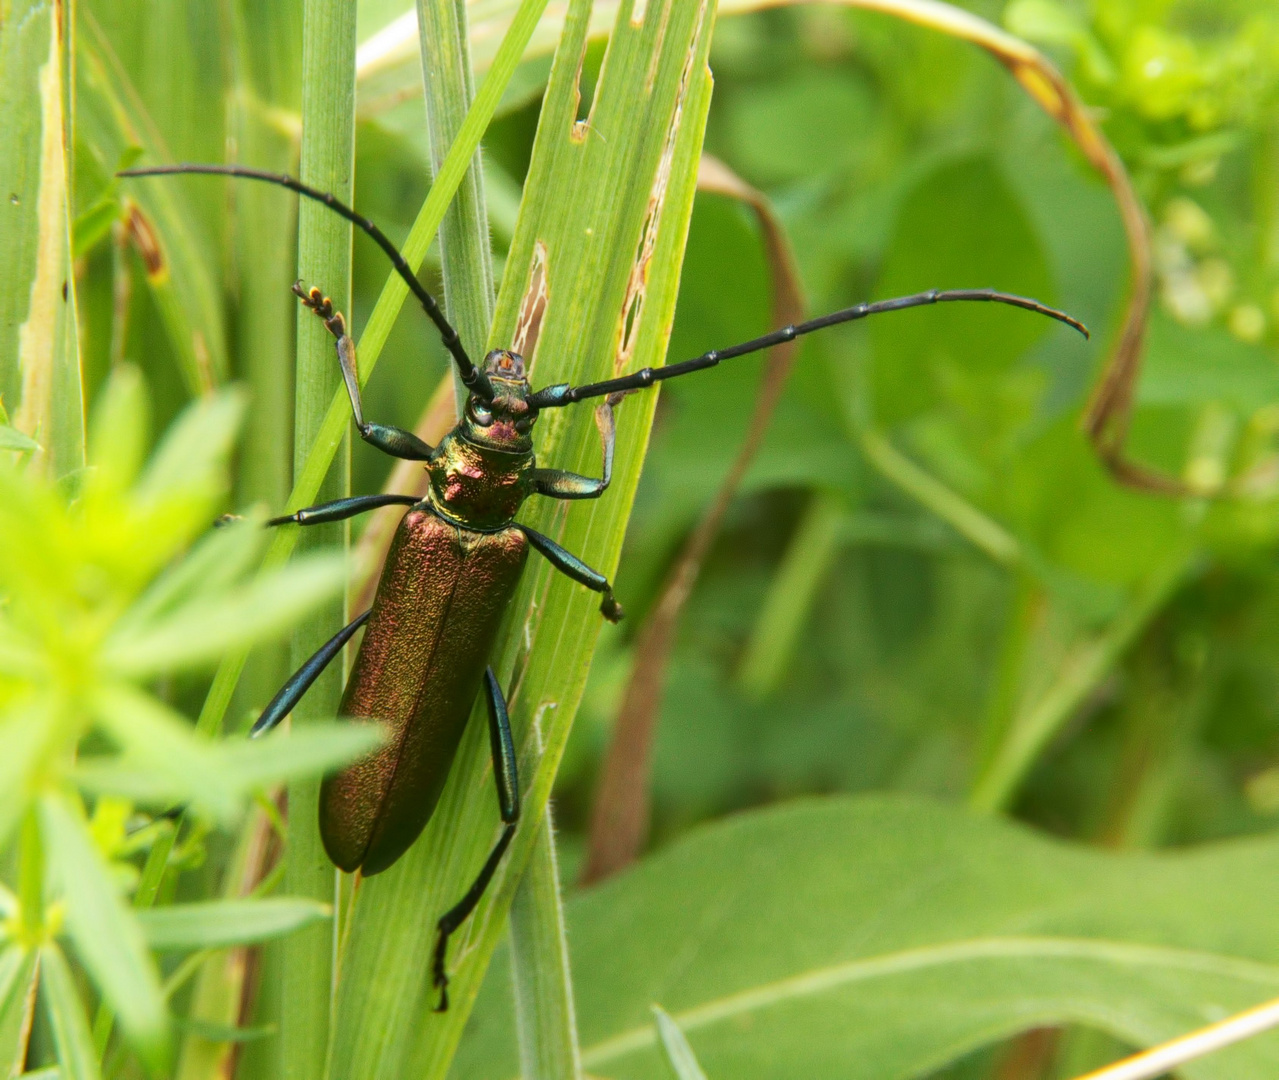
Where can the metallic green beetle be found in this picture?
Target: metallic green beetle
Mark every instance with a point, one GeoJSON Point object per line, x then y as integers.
{"type": "Point", "coordinates": [452, 570]}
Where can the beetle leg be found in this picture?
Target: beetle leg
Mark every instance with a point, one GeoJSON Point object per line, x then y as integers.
{"type": "Point", "coordinates": [341, 509]}
{"type": "Point", "coordinates": [300, 681]}
{"type": "Point", "coordinates": [506, 776]}
{"type": "Point", "coordinates": [559, 484]}
{"type": "Point", "coordinates": [567, 563]}
{"type": "Point", "coordinates": [390, 440]}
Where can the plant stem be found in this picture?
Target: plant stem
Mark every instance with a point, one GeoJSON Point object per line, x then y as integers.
{"type": "Point", "coordinates": [324, 259]}
{"type": "Point", "coordinates": [542, 980]}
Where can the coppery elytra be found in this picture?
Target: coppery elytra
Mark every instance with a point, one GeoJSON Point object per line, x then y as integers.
{"type": "Point", "coordinates": [453, 567]}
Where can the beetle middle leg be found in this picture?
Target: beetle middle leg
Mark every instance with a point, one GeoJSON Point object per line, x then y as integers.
{"type": "Point", "coordinates": [390, 440]}
{"type": "Point", "coordinates": [506, 777]}
{"type": "Point", "coordinates": [300, 681]}
{"type": "Point", "coordinates": [567, 563]}
{"type": "Point", "coordinates": [341, 509]}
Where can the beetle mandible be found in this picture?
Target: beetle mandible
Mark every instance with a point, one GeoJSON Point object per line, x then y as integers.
{"type": "Point", "coordinates": [453, 567]}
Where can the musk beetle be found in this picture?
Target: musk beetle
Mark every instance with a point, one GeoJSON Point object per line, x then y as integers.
{"type": "Point", "coordinates": [453, 567]}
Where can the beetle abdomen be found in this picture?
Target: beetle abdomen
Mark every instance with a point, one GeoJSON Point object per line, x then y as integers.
{"type": "Point", "coordinates": [439, 602]}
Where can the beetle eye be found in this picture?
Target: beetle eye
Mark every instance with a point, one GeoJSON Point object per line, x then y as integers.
{"type": "Point", "coordinates": [524, 425]}
{"type": "Point", "coordinates": [482, 415]}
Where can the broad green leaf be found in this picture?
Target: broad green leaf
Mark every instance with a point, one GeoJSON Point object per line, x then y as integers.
{"type": "Point", "coordinates": [107, 937]}
{"type": "Point", "coordinates": [77, 1058]}
{"type": "Point", "coordinates": [18, 974]}
{"type": "Point", "coordinates": [960, 224]}
{"type": "Point", "coordinates": [217, 924]}
{"type": "Point", "coordinates": [883, 938]}
{"type": "Point", "coordinates": [679, 1055]}
{"type": "Point", "coordinates": [202, 631]}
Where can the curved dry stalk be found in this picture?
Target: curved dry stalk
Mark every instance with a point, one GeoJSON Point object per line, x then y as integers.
{"type": "Point", "coordinates": [1162, 1059]}
{"type": "Point", "coordinates": [620, 814]}
{"type": "Point", "coordinates": [1108, 415]}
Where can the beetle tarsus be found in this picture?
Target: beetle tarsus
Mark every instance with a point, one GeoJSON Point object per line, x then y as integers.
{"type": "Point", "coordinates": [611, 609]}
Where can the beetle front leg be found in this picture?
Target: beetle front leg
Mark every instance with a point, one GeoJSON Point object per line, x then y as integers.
{"type": "Point", "coordinates": [390, 440]}
{"type": "Point", "coordinates": [559, 484]}
{"type": "Point", "coordinates": [567, 563]}
{"type": "Point", "coordinates": [506, 777]}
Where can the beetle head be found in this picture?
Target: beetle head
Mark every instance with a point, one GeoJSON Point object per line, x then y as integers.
{"type": "Point", "coordinates": [504, 421]}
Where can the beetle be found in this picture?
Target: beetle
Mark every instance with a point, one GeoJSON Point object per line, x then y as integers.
{"type": "Point", "coordinates": [453, 567]}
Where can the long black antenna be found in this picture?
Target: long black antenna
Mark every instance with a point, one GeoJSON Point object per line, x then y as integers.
{"type": "Point", "coordinates": [562, 394]}
{"type": "Point", "coordinates": [471, 375]}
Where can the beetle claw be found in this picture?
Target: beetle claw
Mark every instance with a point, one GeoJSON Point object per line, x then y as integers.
{"type": "Point", "coordinates": [611, 609]}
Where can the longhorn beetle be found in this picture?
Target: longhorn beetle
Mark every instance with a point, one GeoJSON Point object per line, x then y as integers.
{"type": "Point", "coordinates": [453, 567]}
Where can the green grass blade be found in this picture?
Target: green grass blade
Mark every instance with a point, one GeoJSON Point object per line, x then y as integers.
{"type": "Point", "coordinates": [107, 938]}
{"type": "Point", "coordinates": [1088, 661]}
{"type": "Point", "coordinates": [77, 1059]}
{"type": "Point", "coordinates": [113, 118]}
{"type": "Point", "coordinates": [597, 194]}
{"type": "Point", "coordinates": [267, 51]}
{"type": "Point", "coordinates": [465, 253]}
{"type": "Point", "coordinates": [541, 978]}
{"type": "Point", "coordinates": [544, 993]}
{"type": "Point", "coordinates": [679, 1055]}
{"type": "Point", "coordinates": [324, 260]}
{"type": "Point", "coordinates": [19, 973]}
{"type": "Point", "coordinates": [39, 344]}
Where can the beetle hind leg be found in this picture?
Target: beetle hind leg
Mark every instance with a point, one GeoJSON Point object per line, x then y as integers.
{"type": "Point", "coordinates": [506, 777]}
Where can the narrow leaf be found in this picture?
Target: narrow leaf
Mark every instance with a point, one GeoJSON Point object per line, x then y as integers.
{"type": "Point", "coordinates": [679, 1055]}
{"type": "Point", "coordinates": [77, 1058]}
{"type": "Point", "coordinates": [19, 973]}
{"type": "Point", "coordinates": [312, 750]}
{"type": "Point", "coordinates": [195, 447]}
{"type": "Point", "coordinates": [205, 629]}
{"type": "Point", "coordinates": [154, 736]}
{"type": "Point", "coordinates": [217, 924]}
{"type": "Point", "coordinates": [13, 439]}
{"type": "Point", "coordinates": [107, 936]}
